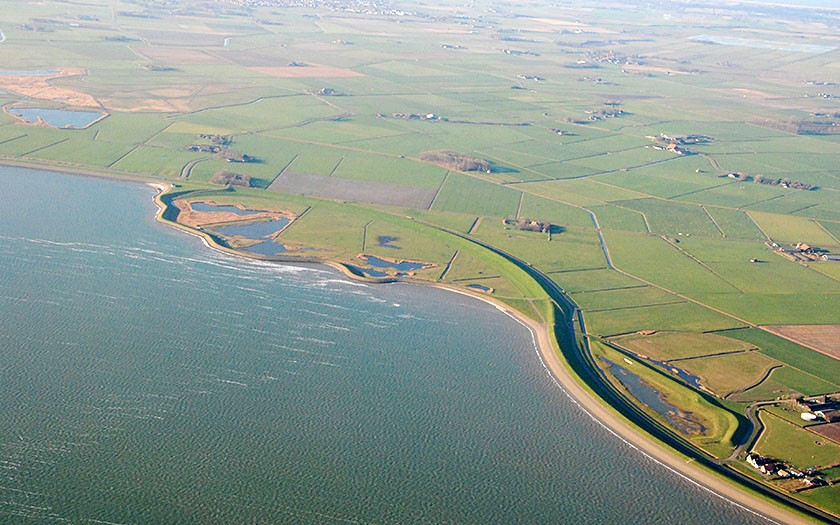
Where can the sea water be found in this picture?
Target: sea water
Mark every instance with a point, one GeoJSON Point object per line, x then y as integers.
{"type": "Point", "coordinates": [145, 378]}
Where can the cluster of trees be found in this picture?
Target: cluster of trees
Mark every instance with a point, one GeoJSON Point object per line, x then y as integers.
{"type": "Point", "coordinates": [227, 178]}
{"type": "Point", "coordinates": [785, 183]}
{"type": "Point", "coordinates": [527, 225]}
{"type": "Point", "coordinates": [456, 161]}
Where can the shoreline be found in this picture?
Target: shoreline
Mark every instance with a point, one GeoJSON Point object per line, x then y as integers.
{"type": "Point", "coordinates": [632, 437]}
{"type": "Point", "coordinates": [635, 439]}
{"type": "Point", "coordinates": [545, 346]}
{"type": "Point", "coordinates": [547, 350]}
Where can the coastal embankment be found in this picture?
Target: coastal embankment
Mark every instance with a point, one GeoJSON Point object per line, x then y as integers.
{"type": "Point", "coordinates": [546, 345]}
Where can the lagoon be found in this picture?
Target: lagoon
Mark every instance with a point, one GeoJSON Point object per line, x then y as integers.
{"type": "Point", "coordinates": [147, 379]}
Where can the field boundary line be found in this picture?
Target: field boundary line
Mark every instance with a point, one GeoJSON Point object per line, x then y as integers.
{"type": "Point", "coordinates": [764, 378]}
{"type": "Point", "coordinates": [826, 231]}
{"type": "Point", "coordinates": [448, 266]}
{"type": "Point", "coordinates": [701, 190]}
{"type": "Point", "coordinates": [637, 307]}
{"type": "Point", "coordinates": [282, 171]}
{"type": "Point", "coordinates": [634, 287]}
{"type": "Point", "coordinates": [750, 217]}
{"type": "Point", "coordinates": [337, 165]}
{"type": "Point", "coordinates": [364, 236]}
{"type": "Point", "coordinates": [572, 270]}
{"type": "Point", "coordinates": [744, 207]}
{"type": "Point", "coordinates": [439, 189]}
{"type": "Point", "coordinates": [36, 150]}
{"type": "Point", "coordinates": [709, 215]}
{"type": "Point", "coordinates": [14, 138]}
{"type": "Point", "coordinates": [747, 213]}
{"type": "Point", "coordinates": [701, 263]}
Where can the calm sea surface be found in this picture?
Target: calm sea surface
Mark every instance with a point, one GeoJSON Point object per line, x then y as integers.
{"type": "Point", "coordinates": [147, 379]}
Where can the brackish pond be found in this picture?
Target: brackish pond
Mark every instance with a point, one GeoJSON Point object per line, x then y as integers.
{"type": "Point", "coordinates": [27, 72]}
{"type": "Point", "coordinates": [644, 392]}
{"type": "Point", "coordinates": [254, 230]}
{"type": "Point", "coordinates": [58, 118]}
{"type": "Point", "coordinates": [207, 207]}
{"type": "Point", "coordinates": [405, 266]}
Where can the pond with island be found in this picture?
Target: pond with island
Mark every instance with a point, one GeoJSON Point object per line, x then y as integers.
{"type": "Point", "coordinates": [258, 231]}
{"type": "Point", "coordinates": [402, 266]}
{"type": "Point", "coordinates": [207, 207]}
{"type": "Point", "coordinates": [654, 399]}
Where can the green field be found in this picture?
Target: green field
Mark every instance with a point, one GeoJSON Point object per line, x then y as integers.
{"type": "Point", "coordinates": [727, 374]}
{"type": "Point", "coordinates": [794, 444]}
{"type": "Point", "coordinates": [573, 120]}
{"type": "Point", "coordinates": [665, 346]}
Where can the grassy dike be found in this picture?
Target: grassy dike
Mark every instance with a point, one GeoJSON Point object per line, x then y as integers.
{"type": "Point", "coordinates": [560, 336]}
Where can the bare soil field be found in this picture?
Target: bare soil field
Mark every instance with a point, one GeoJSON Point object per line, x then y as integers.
{"type": "Point", "coordinates": [40, 87]}
{"type": "Point", "coordinates": [824, 338]}
{"type": "Point", "coordinates": [353, 190]}
{"type": "Point", "coordinates": [829, 430]}
{"type": "Point", "coordinates": [251, 58]}
{"type": "Point", "coordinates": [555, 23]}
{"type": "Point", "coordinates": [306, 71]}
{"type": "Point", "coordinates": [152, 105]}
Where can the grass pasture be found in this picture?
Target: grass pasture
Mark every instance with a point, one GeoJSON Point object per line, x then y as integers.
{"type": "Point", "coordinates": [720, 424]}
{"type": "Point", "coordinates": [674, 270]}
{"type": "Point", "coordinates": [595, 279]}
{"type": "Point", "coordinates": [731, 373]}
{"type": "Point", "coordinates": [794, 355]}
{"type": "Point", "coordinates": [785, 229]}
{"type": "Point", "coordinates": [770, 308]}
{"type": "Point", "coordinates": [666, 346]}
{"type": "Point", "coordinates": [684, 316]}
{"type": "Point", "coordinates": [574, 248]}
{"type": "Point", "coordinates": [607, 300]}
{"type": "Point", "coordinates": [785, 382]}
{"type": "Point", "coordinates": [672, 218]}
{"type": "Point", "coordinates": [734, 224]}
{"type": "Point", "coordinates": [795, 445]}
{"type": "Point", "coordinates": [465, 194]}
